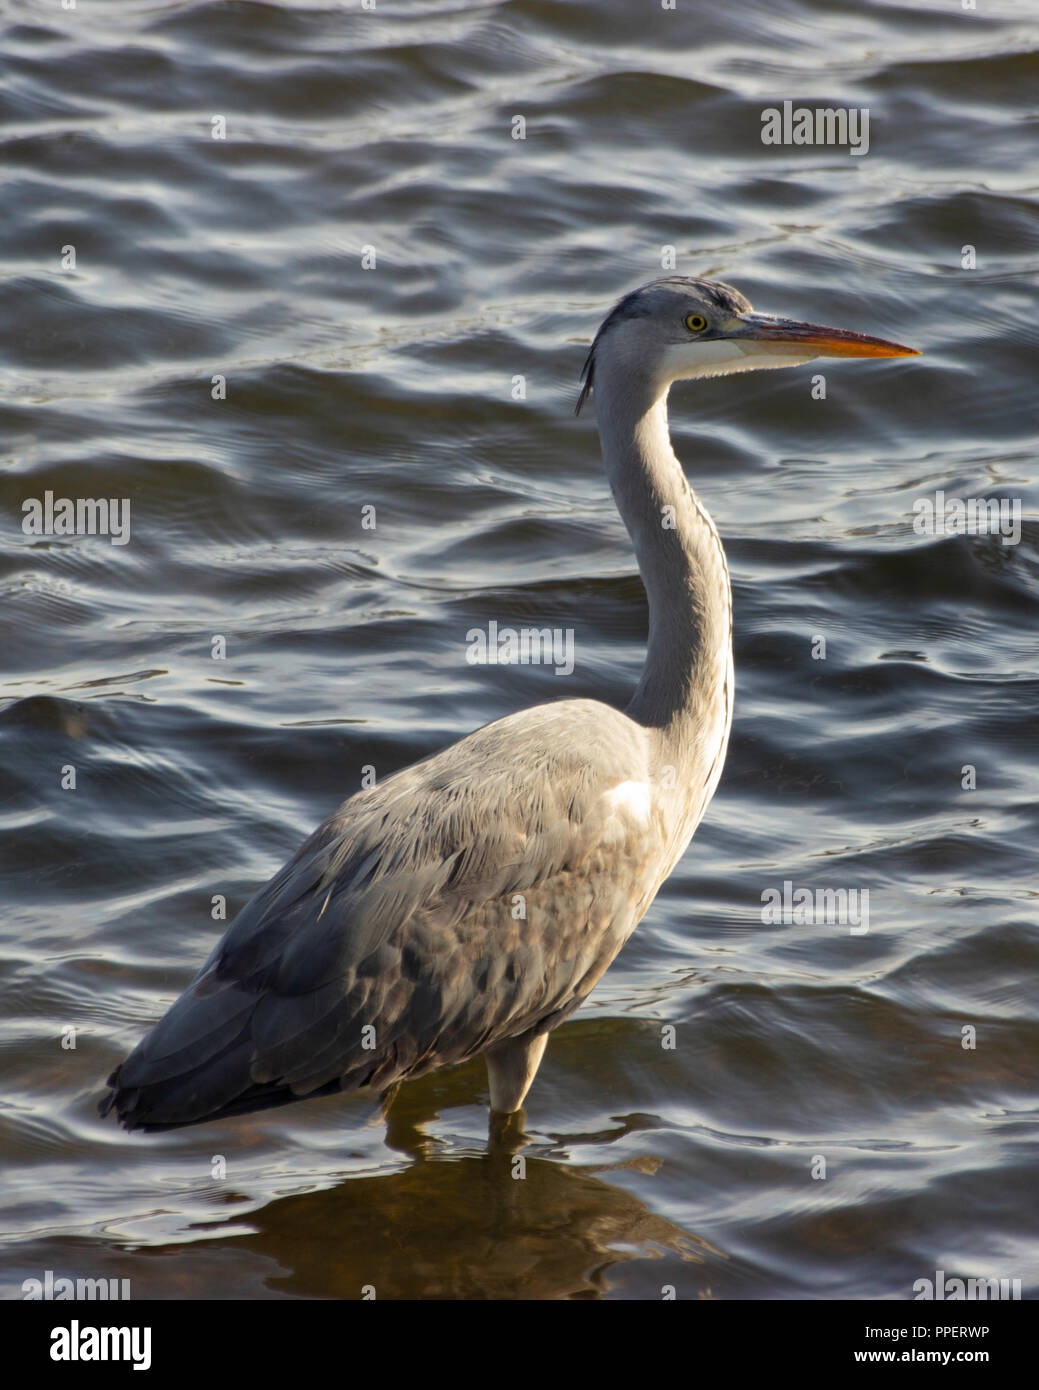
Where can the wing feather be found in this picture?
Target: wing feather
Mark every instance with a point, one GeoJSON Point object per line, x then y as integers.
{"type": "Point", "coordinates": [464, 900]}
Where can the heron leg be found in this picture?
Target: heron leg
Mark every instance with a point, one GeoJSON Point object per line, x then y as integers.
{"type": "Point", "coordinates": [511, 1068]}
{"type": "Point", "coordinates": [387, 1098]}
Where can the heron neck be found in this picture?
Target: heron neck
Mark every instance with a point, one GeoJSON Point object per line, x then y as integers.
{"type": "Point", "coordinates": [680, 556]}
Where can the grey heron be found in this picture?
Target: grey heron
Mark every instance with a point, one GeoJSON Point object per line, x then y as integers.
{"type": "Point", "coordinates": [469, 904]}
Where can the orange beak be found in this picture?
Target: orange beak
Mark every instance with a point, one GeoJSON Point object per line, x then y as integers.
{"type": "Point", "coordinates": [815, 339]}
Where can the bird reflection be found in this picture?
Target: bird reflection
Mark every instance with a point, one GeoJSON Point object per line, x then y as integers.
{"type": "Point", "coordinates": [471, 1228]}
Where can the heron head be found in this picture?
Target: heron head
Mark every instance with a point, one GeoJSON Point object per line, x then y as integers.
{"type": "Point", "coordinates": [681, 328]}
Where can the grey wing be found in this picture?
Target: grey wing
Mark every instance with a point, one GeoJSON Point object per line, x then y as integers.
{"type": "Point", "coordinates": [470, 898]}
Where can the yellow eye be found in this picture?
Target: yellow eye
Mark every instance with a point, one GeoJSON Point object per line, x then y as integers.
{"type": "Point", "coordinates": [696, 323]}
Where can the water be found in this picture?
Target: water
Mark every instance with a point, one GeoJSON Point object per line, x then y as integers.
{"type": "Point", "coordinates": [392, 388]}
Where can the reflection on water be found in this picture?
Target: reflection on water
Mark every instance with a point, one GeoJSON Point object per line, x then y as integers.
{"type": "Point", "coordinates": [467, 1228]}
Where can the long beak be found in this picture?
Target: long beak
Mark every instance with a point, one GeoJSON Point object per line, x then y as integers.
{"type": "Point", "coordinates": [815, 338]}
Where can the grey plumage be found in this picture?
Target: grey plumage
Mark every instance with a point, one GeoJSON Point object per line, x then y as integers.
{"type": "Point", "coordinates": [642, 302]}
{"type": "Point", "coordinates": [471, 902]}
{"type": "Point", "coordinates": [401, 912]}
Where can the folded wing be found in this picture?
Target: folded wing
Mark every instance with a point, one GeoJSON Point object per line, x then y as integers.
{"type": "Point", "coordinates": [470, 898]}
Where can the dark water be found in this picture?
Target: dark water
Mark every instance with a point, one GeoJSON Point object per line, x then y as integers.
{"type": "Point", "coordinates": [392, 388]}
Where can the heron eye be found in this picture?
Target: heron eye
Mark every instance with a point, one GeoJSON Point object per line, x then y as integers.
{"type": "Point", "coordinates": [696, 323]}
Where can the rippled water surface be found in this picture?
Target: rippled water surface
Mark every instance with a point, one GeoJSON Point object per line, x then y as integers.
{"type": "Point", "coordinates": [390, 133]}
